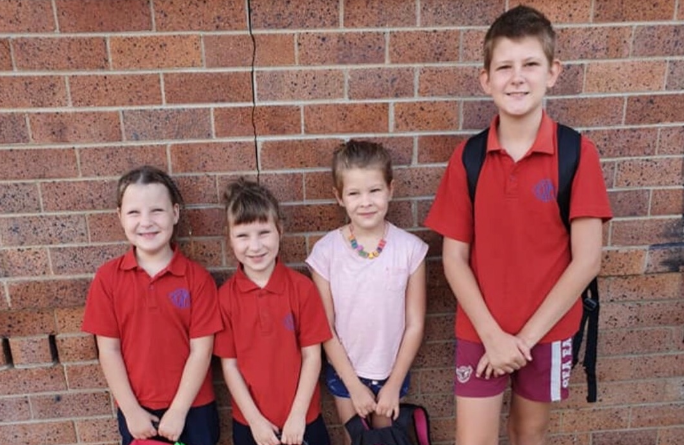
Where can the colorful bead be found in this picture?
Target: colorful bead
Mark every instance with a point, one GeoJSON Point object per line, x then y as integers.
{"type": "Point", "coordinates": [359, 248]}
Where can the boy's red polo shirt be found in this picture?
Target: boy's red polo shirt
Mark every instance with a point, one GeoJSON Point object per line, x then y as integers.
{"type": "Point", "coordinates": [265, 330]}
{"type": "Point", "coordinates": [519, 245]}
{"type": "Point", "coordinates": [154, 318]}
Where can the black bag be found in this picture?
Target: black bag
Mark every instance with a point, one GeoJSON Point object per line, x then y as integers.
{"type": "Point", "coordinates": [413, 422]}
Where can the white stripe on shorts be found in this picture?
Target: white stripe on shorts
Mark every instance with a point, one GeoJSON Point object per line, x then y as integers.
{"type": "Point", "coordinates": [555, 380]}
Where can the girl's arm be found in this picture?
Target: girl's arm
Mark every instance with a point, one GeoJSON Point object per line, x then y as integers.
{"type": "Point", "coordinates": [138, 420]}
{"type": "Point", "coordinates": [263, 431]}
{"type": "Point", "coordinates": [504, 352]}
{"type": "Point", "coordinates": [362, 397]}
{"type": "Point", "coordinates": [195, 371]}
{"type": "Point", "coordinates": [585, 241]}
{"type": "Point", "coordinates": [388, 398]}
{"type": "Point", "coordinates": [293, 430]}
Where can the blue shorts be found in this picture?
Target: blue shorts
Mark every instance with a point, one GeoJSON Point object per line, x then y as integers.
{"type": "Point", "coordinates": [337, 388]}
{"type": "Point", "coordinates": [315, 433]}
{"type": "Point", "coordinates": [201, 426]}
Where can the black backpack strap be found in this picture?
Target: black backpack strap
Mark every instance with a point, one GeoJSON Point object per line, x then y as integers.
{"type": "Point", "coordinates": [414, 418]}
{"type": "Point", "coordinates": [473, 158]}
{"type": "Point", "coordinates": [356, 426]}
{"type": "Point", "coordinates": [590, 322]}
{"type": "Point", "coordinates": [568, 158]}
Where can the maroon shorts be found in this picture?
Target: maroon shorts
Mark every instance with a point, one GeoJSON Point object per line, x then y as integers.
{"type": "Point", "coordinates": [544, 379]}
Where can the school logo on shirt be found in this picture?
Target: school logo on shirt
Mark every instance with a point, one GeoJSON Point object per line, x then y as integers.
{"type": "Point", "coordinates": [288, 322]}
{"type": "Point", "coordinates": [544, 190]}
{"type": "Point", "coordinates": [463, 373]}
{"type": "Point", "coordinates": [180, 298]}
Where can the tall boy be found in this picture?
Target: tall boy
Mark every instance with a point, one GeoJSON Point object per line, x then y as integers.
{"type": "Point", "coordinates": [515, 270]}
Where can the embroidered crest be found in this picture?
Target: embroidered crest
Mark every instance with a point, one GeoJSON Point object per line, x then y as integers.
{"type": "Point", "coordinates": [545, 191]}
{"type": "Point", "coordinates": [288, 321]}
{"type": "Point", "coordinates": [180, 298]}
{"type": "Point", "coordinates": [463, 373]}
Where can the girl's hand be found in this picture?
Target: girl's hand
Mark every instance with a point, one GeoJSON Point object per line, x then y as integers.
{"type": "Point", "coordinates": [140, 424]}
{"type": "Point", "coordinates": [293, 430]}
{"type": "Point", "coordinates": [363, 399]}
{"type": "Point", "coordinates": [172, 424]}
{"type": "Point", "coordinates": [504, 354]}
{"type": "Point", "coordinates": [264, 432]}
{"type": "Point", "coordinates": [388, 402]}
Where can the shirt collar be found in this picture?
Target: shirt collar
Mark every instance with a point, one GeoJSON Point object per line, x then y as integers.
{"type": "Point", "coordinates": [276, 282]}
{"type": "Point", "coordinates": [177, 266]}
{"type": "Point", "coordinates": [544, 143]}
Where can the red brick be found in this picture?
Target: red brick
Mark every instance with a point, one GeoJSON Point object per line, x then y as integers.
{"type": "Point", "coordinates": [411, 182]}
{"type": "Point", "coordinates": [287, 187]}
{"type": "Point", "coordinates": [671, 140]}
{"type": "Point", "coordinates": [623, 262]}
{"type": "Point", "coordinates": [48, 293]}
{"type": "Point", "coordinates": [69, 319]}
{"type": "Point", "coordinates": [587, 112]}
{"type": "Point", "coordinates": [306, 14]}
{"type": "Point", "coordinates": [665, 258]}
{"type": "Point", "coordinates": [634, 341]}
{"type": "Point", "coordinates": [75, 127]}
{"type": "Point", "coordinates": [667, 201]}
{"type": "Point", "coordinates": [622, 77]}
{"type": "Point", "coordinates": [658, 40]}
{"type": "Point", "coordinates": [149, 52]}
{"type": "Point", "coordinates": [203, 222]}
{"type": "Point", "coordinates": [98, 16]}
{"type": "Point", "coordinates": [52, 433]}
{"type": "Point", "coordinates": [71, 405]}
{"type": "Point", "coordinates": [346, 118]}
{"type": "Point", "coordinates": [435, 355]}
{"type": "Point", "coordinates": [209, 15]}
{"type": "Point", "coordinates": [608, 169]}
{"type": "Point", "coordinates": [167, 124]}
{"type": "Point", "coordinates": [650, 172]}
{"type": "Point", "coordinates": [98, 430]}
{"type": "Point", "coordinates": [630, 437]}
{"type": "Point", "coordinates": [19, 198]}
{"type": "Point", "coordinates": [75, 347]}
{"type": "Point", "coordinates": [23, 262]}
{"type": "Point", "coordinates": [424, 46]}
{"type": "Point", "coordinates": [624, 142]}
{"type": "Point", "coordinates": [654, 109]}
{"type": "Point", "coordinates": [5, 55]}
{"type": "Point", "coordinates": [570, 82]}
{"type": "Point", "coordinates": [60, 53]}
{"type": "Point", "coordinates": [318, 185]}
{"type": "Point", "coordinates": [644, 232]}
{"type": "Point", "coordinates": [595, 419]}
{"type": "Point", "coordinates": [207, 157]}
{"type": "Point", "coordinates": [116, 160]}
{"type": "Point", "coordinates": [633, 10]}
{"type": "Point", "coordinates": [13, 129]}
{"type": "Point", "coordinates": [657, 415]}
{"type": "Point", "coordinates": [636, 288]}
{"type": "Point", "coordinates": [440, 327]}
{"type": "Point", "coordinates": [579, 11]}
{"type": "Point", "coordinates": [441, 13]}
{"type": "Point", "coordinates": [334, 48]}
{"type": "Point", "coordinates": [183, 88]}
{"type": "Point", "coordinates": [438, 148]}
{"type": "Point", "coordinates": [45, 229]}
{"type": "Point", "coordinates": [634, 315]}
{"type": "Point", "coordinates": [207, 253]}
{"type": "Point", "coordinates": [83, 259]}
{"type": "Point", "coordinates": [32, 380]}
{"type": "Point", "coordinates": [28, 351]}
{"type": "Point", "coordinates": [449, 81]}
{"type": "Point", "coordinates": [401, 214]}
{"type": "Point", "coordinates": [198, 189]}
{"type": "Point", "coordinates": [299, 85]}
{"type": "Point", "coordinates": [85, 376]}
{"type": "Point", "coordinates": [302, 218]}
{"type": "Point", "coordinates": [471, 45]}
{"type": "Point", "coordinates": [593, 42]}
{"type": "Point", "coordinates": [367, 14]}
{"type": "Point", "coordinates": [438, 405]}
{"type": "Point", "coordinates": [675, 75]}
{"type": "Point", "coordinates": [37, 163]}
{"type": "Point", "coordinates": [380, 83]}
{"type": "Point", "coordinates": [15, 409]}
{"type": "Point", "coordinates": [237, 50]}
{"type": "Point", "coordinates": [268, 120]}
{"type": "Point", "coordinates": [32, 91]}
{"type": "Point", "coordinates": [115, 90]}
{"type": "Point", "coordinates": [435, 380]}
{"type": "Point", "coordinates": [426, 116]}
{"type": "Point", "coordinates": [670, 436]}
{"type": "Point", "coordinates": [629, 202]}
{"type": "Point", "coordinates": [23, 17]}
{"type": "Point", "coordinates": [478, 114]}
{"type": "Point", "coordinates": [292, 248]}
{"type": "Point", "coordinates": [78, 195]}
{"type": "Point", "coordinates": [105, 227]}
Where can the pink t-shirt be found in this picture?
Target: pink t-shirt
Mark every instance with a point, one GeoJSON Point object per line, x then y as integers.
{"type": "Point", "coordinates": [369, 296]}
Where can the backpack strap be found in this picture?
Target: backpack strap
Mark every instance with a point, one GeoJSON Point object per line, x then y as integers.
{"type": "Point", "coordinates": [356, 427]}
{"type": "Point", "coordinates": [569, 144]}
{"type": "Point", "coordinates": [590, 318]}
{"type": "Point", "coordinates": [473, 158]}
{"type": "Point", "coordinates": [415, 418]}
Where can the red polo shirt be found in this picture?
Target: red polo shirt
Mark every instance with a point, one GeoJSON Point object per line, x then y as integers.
{"type": "Point", "coordinates": [519, 245]}
{"type": "Point", "coordinates": [265, 330]}
{"type": "Point", "coordinates": [154, 318]}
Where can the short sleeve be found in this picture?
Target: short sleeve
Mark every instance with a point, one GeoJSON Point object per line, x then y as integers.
{"type": "Point", "coordinates": [451, 214]}
{"type": "Point", "coordinates": [224, 342]}
{"type": "Point", "coordinates": [319, 259]}
{"type": "Point", "coordinates": [418, 253]}
{"type": "Point", "coordinates": [313, 327]}
{"type": "Point", "coordinates": [99, 317]}
{"type": "Point", "coordinates": [589, 197]}
{"type": "Point", "coordinates": [205, 319]}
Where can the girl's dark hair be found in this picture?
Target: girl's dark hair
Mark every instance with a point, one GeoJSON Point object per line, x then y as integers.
{"type": "Point", "coordinates": [248, 201]}
{"type": "Point", "coordinates": [360, 154]}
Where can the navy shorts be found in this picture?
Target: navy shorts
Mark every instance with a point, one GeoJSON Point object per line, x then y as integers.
{"type": "Point", "coordinates": [201, 426]}
{"type": "Point", "coordinates": [315, 433]}
{"type": "Point", "coordinates": [337, 388]}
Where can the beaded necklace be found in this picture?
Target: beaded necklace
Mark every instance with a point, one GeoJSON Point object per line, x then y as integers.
{"type": "Point", "coordinates": [359, 248]}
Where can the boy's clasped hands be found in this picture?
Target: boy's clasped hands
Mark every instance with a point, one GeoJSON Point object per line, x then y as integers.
{"type": "Point", "coordinates": [505, 354]}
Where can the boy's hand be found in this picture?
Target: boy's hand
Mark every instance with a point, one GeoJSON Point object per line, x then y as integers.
{"type": "Point", "coordinates": [504, 354]}
{"type": "Point", "coordinates": [388, 402]}
{"type": "Point", "coordinates": [293, 430]}
{"type": "Point", "coordinates": [363, 399]}
{"type": "Point", "coordinates": [172, 424]}
{"type": "Point", "coordinates": [264, 432]}
{"type": "Point", "coordinates": [140, 424]}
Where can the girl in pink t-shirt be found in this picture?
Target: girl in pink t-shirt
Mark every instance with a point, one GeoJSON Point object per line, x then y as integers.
{"type": "Point", "coordinates": [374, 297]}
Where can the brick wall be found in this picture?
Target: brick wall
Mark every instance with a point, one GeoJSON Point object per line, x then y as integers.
{"type": "Point", "coordinates": [90, 88]}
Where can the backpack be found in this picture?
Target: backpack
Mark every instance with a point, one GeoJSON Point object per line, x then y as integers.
{"type": "Point", "coordinates": [568, 159]}
{"type": "Point", "coordinates": [413, 421]}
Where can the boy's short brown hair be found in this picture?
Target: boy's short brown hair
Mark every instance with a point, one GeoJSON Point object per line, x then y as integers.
{"type": "Point", "coordinates": [248, 201]}
{"type": "Point", "coordinates": [517, 23]}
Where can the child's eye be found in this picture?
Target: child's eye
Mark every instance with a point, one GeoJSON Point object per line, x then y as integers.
{"type": "Point", "coordinates": [531, 64]}
{"type": "Point", "coordinates": [352, 193]}
{"type": "Point", "coordinates": [375, 190]}
{"type": "Point", "coordinates": [502, 67]}
{"type": "Point", "coordinates": [132, 212]}
{"type": "Point", "coordinates": [265, 232]}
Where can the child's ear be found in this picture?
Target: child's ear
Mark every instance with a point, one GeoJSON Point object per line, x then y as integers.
{"type": "Point", "coordinates": [554, 71]}
{"type": "Point", "coordinates": [484, 81]}
{"type": "Point", "coordinates": [176, 213]}
{"type": "Point", "coordinates": [391, 189]}
{"type": "Point", "coordinates": [338, 197]}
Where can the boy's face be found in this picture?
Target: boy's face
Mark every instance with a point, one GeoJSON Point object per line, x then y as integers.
{"type": "Point", "coordinates": [519, 76]}
{"type": "Point", "coordinates": [256, 247]}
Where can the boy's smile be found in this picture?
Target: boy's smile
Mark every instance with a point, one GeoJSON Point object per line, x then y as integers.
{"type": "Point", "coordinates": [256, 247]}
